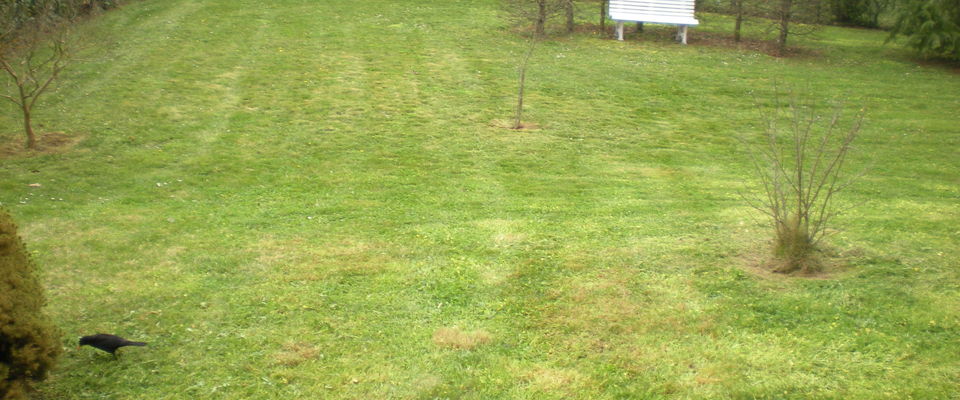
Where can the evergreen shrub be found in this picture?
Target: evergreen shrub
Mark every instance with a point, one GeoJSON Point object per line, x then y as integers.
{"type": "Point", "coordinates": [29, 343]}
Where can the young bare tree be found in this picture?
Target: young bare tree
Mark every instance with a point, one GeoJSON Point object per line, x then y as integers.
{"type": "Point", "coordinates": [784, 14]}
{"type": "Point", "coordinates": [537, 12]}
{"type": "Point", "coordinates": [786, 18]}
{"type": "Point", "coordinates": [802, 166]}
{"type": "Point", "coordinates": [523, 13]}
{"type": "Point", "coordinates": [794, 18]}
{"type": "Point", "coordinates": [32, 56]}
{"type": "Point", "coordinates": [522, 80]}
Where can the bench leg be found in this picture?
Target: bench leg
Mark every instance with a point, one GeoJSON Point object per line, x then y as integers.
{"type": "Point", "coordinates": [682, 34]}
{"type": "Point", "coordinates": [619, 30]}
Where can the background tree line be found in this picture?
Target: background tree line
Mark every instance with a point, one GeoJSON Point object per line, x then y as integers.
{"type": "Point", "coordinates": [862, 13]}
{"type": "Point", "coordinates": [19, 14]}
{"type": "Point", "coordinates": [931, 27]}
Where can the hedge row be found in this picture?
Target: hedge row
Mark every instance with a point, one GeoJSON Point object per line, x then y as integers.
{"type": "Point", "coordinates": [18, 14]}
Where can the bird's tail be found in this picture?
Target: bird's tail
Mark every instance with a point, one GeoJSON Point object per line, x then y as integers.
{"type": "Point", "coordinates": [136, 344]}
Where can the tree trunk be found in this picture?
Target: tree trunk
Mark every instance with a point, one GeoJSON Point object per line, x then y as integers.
{"type": "Point", "coordinates": [28, 127]}
{"type": "Point", "coordinates": [568, 8]}
{"type": "Point", "coordinates": [541, 17]}
{"type": "Point", "coordinates": [785, 9]}
{"type": "Point", "coordinates": [603, 15]}
{"type": "Point", "coordinates": [522, 81]}
{"type": "Point", "coordinates": [738, 22]}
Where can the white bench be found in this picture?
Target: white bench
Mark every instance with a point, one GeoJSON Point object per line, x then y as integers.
{"type": "Point", "coordinates": [669, 12]}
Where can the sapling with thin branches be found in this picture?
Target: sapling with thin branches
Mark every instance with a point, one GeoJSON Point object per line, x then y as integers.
{"type": "Point", "coordinates": [801, 166]}
{"type": "Point", "coordinates": [522, 13]}
{"type": "Point", "coordinates": [522, 79]}
{"type": "Point", "coordinates": [32, 57]}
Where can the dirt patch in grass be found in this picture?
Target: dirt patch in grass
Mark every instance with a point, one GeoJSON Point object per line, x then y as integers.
{"type": "Point", "coordinates": [295, 353]}
{"type": "Point", "coordinates": [47, 143]}
{"type": "Point", "coordinates": [768, 47]}
{"type": "Point", "coordinates": [762, 264]}
{"type": "Point", "coordinates": [508, 124]}
{"type": "Point", "coordinates": [457, 338]}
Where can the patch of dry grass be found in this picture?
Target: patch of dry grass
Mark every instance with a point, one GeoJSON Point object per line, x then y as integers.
{"type": "Point", "coordinates": [560, 381]}
{"type": "Point", "coordinates": [457, 338]}
{"type": "Point", "coordinates": [295, 353]}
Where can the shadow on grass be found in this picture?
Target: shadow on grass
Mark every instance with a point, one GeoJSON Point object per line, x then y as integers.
{"type": "Point", "coordinates": [667, 34]}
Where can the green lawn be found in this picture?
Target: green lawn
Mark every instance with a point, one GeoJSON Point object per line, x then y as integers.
{"type": "Point", "coordinates": [315, 199]}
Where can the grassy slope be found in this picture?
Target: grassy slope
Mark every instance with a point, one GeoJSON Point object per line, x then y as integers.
{"type": "Point", "coordinates": [290, 200]}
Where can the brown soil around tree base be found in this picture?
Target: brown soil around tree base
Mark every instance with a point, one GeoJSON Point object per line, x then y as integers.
{"type": "Point", "coordinates": [14, 146]}
{"type": "Point", "coordinates": [508, 124]}
{"type": "Point", "coordinates": [762, 264]}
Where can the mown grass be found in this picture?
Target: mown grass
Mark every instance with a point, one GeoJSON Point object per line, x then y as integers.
{"type": "Point", "coordinates": [309, 199]}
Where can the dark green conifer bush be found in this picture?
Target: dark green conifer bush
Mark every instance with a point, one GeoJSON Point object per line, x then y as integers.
{"type": "Point", "coordinates": [29, 343]}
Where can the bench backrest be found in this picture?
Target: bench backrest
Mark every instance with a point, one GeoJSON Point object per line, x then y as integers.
{"type": "Point", "coordinates": [675, 12]}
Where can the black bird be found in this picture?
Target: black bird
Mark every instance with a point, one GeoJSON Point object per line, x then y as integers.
{"type": "Point", "coordinates": [108, 343]}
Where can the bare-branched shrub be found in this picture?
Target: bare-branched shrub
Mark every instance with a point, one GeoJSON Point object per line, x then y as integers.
{"type": "Point", "coordinates": [33, 53]}
{"type": "Point", "coordinates": [802, 166]}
